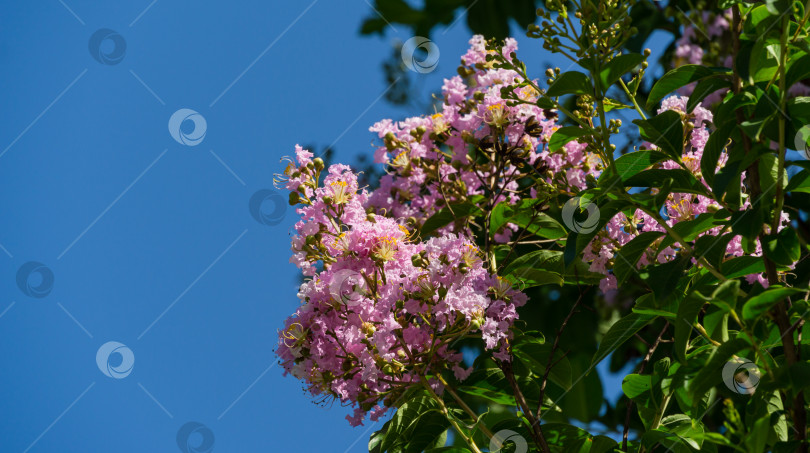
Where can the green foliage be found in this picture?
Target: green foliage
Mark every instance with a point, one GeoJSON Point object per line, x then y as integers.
{"type": "Point", "coordinates": [688, 332]}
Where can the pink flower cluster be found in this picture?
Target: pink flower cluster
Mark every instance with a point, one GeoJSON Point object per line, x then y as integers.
{"type": "Point", "coordinates": [679, 207]}
{"type": "Point", "coordinates": [382, 310]}
{"type": "Point", "coordinates": [429, 159]}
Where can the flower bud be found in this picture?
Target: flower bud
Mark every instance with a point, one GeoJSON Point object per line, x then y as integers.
{"type": "Point", "coordinates": [318, 162]}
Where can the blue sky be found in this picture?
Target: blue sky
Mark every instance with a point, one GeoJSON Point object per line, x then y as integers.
{"type": "Point", "coordinates": [151, 242]}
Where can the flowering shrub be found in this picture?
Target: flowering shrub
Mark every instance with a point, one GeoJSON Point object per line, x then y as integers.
{"type": "Point", "coordinates": [443, 292]}
{"type": "Point", "coordinates": [384, 310]}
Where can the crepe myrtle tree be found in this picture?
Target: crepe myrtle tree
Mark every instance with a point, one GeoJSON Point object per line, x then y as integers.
{"type": "Point", "coordinates": [466, 296]}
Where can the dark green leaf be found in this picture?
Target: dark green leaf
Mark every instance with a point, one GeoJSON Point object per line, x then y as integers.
{"type": "Point", "coordinates": [571, 82]}
{"type": "Point", "coordinates": [764, 59]}
{"type": "Point", "coordinates": [713, 150]}
{"type": "Point", "coordinates": [687, 313]}
{"type": "Point", "coordinates": [665, 131]}
{"type": "Point", "coordinates": [689, 230]}
{"type": "Point", "coordinates": [800, 182]}
{"type": "Point", "coordinates": [617, 67]}
{"type": "Point", "coordinates": [536, 357]}
{"type": "Point", "coordinates": [799, 70]}
{"type": "Point", "coordinates": [495, 396]}
{"type": "Point", "coordinates": [446, 215]}
{"type": "Point", "coordinates": [725, 296]}
{"type": "Point", "coordinates": [783, 247]}
{"type": "Point", "coordinates": [704, 88]}
{"type": "Point", "coordinates": [712, 248]}
{"type": "Point", "coordinates": [527, 217]}
{"type": "Point", "coordinates": [528, 277]}
{"type": "Point", "coordinates": [634, 385]}
{"type": "Point", "coordinates": [404, 419]}
{"type": "Point", "coordinates": [677, 78]}
{"type": "Point", "coordinates": [742, 266]}
{"type": "Point", "coordinates": [679, 179]}
{"type": "Point", "coordinates": [747, 223]}
{"type": "Point", "coordinates": [663, 278]}
{"type": "Point", "coordinates": [634, 163]}
{"type": "Point", "coordinates": [620, 332]}
{"type": "Point", "coordinates": [564, 135]}
{"type": "Point", "coordinates": [710, 374]}
{"type": "Point", "coordinates": [763, 302]}
{"type": "Point", "coordinates": [625, 261]}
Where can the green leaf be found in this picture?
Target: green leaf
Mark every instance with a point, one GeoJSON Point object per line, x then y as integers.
{"type": "Point", "coordinates": [678, 78]}
{"type": "Point", "coordinates": [634, 163]}
{"type": "Point", "coordinates": [782, 248]}
{"type": "Point", "coordinates": [800, 182]}
{"type": "Point", "coordinates": [635, 385]}
{"type": "Point", "coordinates": [763, 302]}
{"type": "Point", "coordinates": [529, 277]}
{"type": "Point", "coordinates": [495, 396]}
{"type": "Point", "coordinates": [625, 261]}
{"type": "Point", "coordinates": [563, 434]}
{"type": "Point", "coordinates": [769, 173]}
{"type": "Point", "coordinates": [541, 225]}
{"type": "Point", "coordinates": [689, 230]}
{"type": "Point", "coordinates": [663, 278]}
{"type": "Point", "coordinates": [665, 131]}
{"type": "Point", "coordinates": [620, 332]}
{"type": "Point", "coordinates": [764, 59]}
{"type": "Point", "coordinates": [377, 438]}
{"type": "Point", "coordinates": [716, 323]}
{"type": "Point", "coordinates": [712, 248]}
{"type": "Point", "coordinates": [726, 112]}
{"type": "Point", "coordinates": [679, 179]}
{"type": "Point", "coordinates": [725, 296]}
{"type": "Point", "coordinates": [564, 135]}
{"type": "Point", "coordinates": [489, 382]}
{"type": "Point", "coordinates": [742, 266]}
{"type": "Point", "coordinates": [777, 7]}
{"type": "Point", "coordinates": [527, 217]}
{"type": "Point", "coordinates": [536, 356]}
{"type": "Point", "coordinates": [747, 223]}
{"type": "Point", "coordinates": [538, 259]}
{"type": "Point", "coordinates": [688, 310]}
{"type": "Point", "coordinates": [547, 267]}
{"type": "Point", "coordinates": [407, 418]}
{"type": "Point", "coordinates": [446, 215]}
{"type": "Point", "coordinates": [704, 88]}
{"type": "Point", "coordinates": [426, 431]}
{"type": "Point", "coordinates": [688, 430]}
{"type": "Point", "coordinates": [647, 305]}
{"type": "Point", "coordinates": [711, 373]}
{"type": "Point", "coordinates": [713, 150]}
{"type": "Point", "coordinates": [799, 70]}
{"type": "Point", "coordinates": [571, 82]}
{"type": "Point", "coordinates": [760, 20]}
{"type": "Point", "coordinates": [617, 67]}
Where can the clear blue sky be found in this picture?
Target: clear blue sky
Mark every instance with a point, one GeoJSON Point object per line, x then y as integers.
{"type": "Point", "coordinates": [151, 243]}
